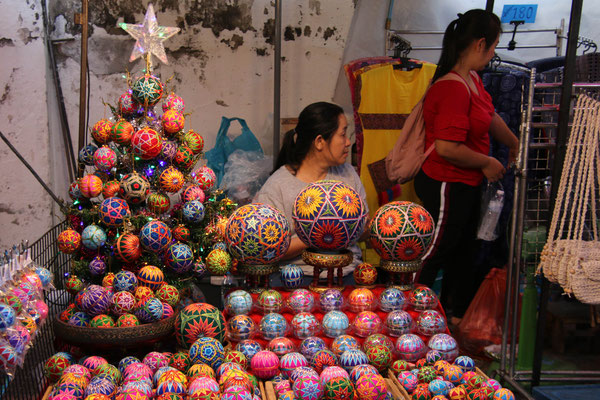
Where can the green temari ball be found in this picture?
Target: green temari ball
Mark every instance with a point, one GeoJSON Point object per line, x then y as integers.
{"type": "Point", "coordinates": [199, 320]}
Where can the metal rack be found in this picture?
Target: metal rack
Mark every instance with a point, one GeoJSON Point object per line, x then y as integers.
{"type": "Point", "coordinates": [531, 210]}
{"type": "Point", "coordinates": [29, 381]}
{"type": "Point", "coordinates": [395, 35]}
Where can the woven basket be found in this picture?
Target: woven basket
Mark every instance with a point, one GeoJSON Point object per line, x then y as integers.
{"type": "Point", "coordinates": [114, 337]}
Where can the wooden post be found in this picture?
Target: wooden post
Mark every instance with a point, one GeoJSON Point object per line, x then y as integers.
{"type": "Point", "coordinates": [329, 277]}
{"type": "Point", "coordinates": [316, 273]}
{"type": "Point", "coordinates": [82, 19]}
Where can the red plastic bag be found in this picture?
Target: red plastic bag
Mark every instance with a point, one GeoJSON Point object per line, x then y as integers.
{"type": "Point", "coordinates": [483, 322]}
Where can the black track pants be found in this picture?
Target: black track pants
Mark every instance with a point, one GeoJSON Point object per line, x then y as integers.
{"type": "Point", "coordinates": [455, 210]}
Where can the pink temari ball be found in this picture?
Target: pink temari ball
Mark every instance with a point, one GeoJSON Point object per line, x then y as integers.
{"type": "Point", "coordinates": [265, 364]}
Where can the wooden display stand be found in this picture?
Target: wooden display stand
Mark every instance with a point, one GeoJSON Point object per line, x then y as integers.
{"type": "Point", "coordinates": [267, 390]}
{"type": "Point", "coordinates": [329, 262]}
{"type": "Point", "coordinates": [258, 275]}
{"type": "Point", "coordinates": [402, 273]}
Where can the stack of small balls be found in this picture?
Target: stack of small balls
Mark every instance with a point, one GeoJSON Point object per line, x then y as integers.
{"type": "Point", "coordinates": [123, 300]}
{"type": "Point", "coordinates": [435, 378]}
{"type": "Point", "coordinates": [22, 311]}
{"type": "Point", "coordinates": [315, 372]}
{"type": "Point", "coordinates": [205, 373]}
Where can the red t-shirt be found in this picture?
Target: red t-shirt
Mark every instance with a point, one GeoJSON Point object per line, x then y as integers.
{"type": "Point", "coordinates": [451, 114]}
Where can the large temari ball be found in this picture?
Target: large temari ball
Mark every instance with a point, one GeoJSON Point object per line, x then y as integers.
{"type": "Point", "coordinates": [199, 320]}
{"type": "Point", "coordinates": [401, 231]}
{"type": "Point", "coordinates": [257, 234]}
{"type": "Point", "coordinates": [329, 215]}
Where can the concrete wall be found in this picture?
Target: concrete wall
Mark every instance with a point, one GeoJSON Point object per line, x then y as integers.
{"type": "Point", "coordinates": [25, 210]}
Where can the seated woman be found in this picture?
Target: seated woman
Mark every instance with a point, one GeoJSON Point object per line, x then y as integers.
{"type": "Point", "coordinates": [316, 149]}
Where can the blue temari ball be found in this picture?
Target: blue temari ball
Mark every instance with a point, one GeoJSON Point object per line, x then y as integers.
{"type": "Point", "coordinates": [238, 302]}
{"type": "Point", "coordinates": [79, 319]}
{"type": "Point", "coordinates": [155, 236]}
{"type": "Point", "coordinates": [179, 258]}
{"type": "Point", "coordinates": [86, 154]}
{"type": "Point", "coordinates": [193, 211]}
{"type": "Point", "coordinates": [93, 237]}
{"type": "Point", "coordinates": [291, 276]}
{"type": "Point", "coordinates": [150, 310]}
{"type": "Point", "coordinates": [113, 211]}
{"type": "Point", "coordinates": [125, 280]}
{"type": "Point", "coordinates": [127, 361]}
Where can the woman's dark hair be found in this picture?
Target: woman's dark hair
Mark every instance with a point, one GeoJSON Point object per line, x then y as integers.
{"type": "Point", "coordinates": [316, 119]}
{"type": "Point", "coordinates": [470, 26]}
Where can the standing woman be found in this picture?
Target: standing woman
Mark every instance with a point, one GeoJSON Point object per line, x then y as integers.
{"type": "Point", "coordinates": [316, 149]}
{"type": "Point", "coordinates": [459, 120]}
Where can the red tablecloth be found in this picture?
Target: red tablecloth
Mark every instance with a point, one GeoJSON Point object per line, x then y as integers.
{"type": "Point", "coordinates": [257, 316]}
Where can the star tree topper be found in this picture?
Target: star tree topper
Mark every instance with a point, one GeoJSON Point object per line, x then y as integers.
{"type": "Point", "coordinates": [149, 36]}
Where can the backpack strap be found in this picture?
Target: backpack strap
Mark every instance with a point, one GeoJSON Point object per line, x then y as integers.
{"type": "Point", "coordinates": [450, 76]}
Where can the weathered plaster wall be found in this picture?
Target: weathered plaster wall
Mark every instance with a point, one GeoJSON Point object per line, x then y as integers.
{"type": "Point", "coordinates": [221, 63]}
{"type": "Point", "coordinates": [25, 210]}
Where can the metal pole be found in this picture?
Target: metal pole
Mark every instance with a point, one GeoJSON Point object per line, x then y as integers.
{"type": "Point", "coordinates": [561, 140]}
{"type": "Point", "coordinates": [30, 168]}
{"type": "Point", "coordinates": [82, 19]}
{"type": "Point", "coordinates": [580, 373]}
{"type": "Point", "coordinates": [559, 37]}
{"type": "Point", "coordinates": [534, 46]}
{"type": "Point", "coordinates": [489, 5]}
{"type": "Point", "coordinates": [388, 20]}
{"type": "Point", "coordinates": [510, 266]}
{"type": "Point", "coordinates": [434, 32]}
{"type": "Point", "coordinates": [277, 83]}
{"type": "Point", "coordinates": [516, 223]}
{"type": "Point", "coordinates": [66, 132]}
{"type": "Point", "coordinates": [519, 228]}
{"type": "Point", "coordinates": [519, 388]}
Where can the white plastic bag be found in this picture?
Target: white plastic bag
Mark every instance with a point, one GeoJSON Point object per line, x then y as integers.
{"type": "Point", "coordinates": [491, 207]}
{"type": "Point", "coordinates": [245, 173]}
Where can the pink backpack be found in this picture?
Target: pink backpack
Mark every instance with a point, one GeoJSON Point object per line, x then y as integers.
{"type": "Point", "coordinates": [404, 161]}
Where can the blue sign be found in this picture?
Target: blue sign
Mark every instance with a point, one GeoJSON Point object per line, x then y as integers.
{"type": "Point", "coordinates": [519, 12]}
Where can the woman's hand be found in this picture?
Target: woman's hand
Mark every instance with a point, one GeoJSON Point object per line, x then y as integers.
{"type": "Point", "coordinates": [513, 153]}
{"type": "Point", "coordinates": [502, 133]}
{"type": "Point", "coordinates": [493, 170]}
{"type": "Point", "coordinates": [296, 248]}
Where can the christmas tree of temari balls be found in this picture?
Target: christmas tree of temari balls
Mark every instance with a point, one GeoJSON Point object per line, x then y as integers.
{"type": "Point", "coordinates": [329, 215]}
{"type": "Point", "coordinates": [140, 170]}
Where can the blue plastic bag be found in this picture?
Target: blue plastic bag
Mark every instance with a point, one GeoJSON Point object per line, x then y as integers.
{"type": "Point", "coordinates": [217, 157]}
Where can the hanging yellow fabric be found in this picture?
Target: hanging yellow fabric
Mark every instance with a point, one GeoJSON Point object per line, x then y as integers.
{"type": "Point", "coordinates": [387, 96]}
